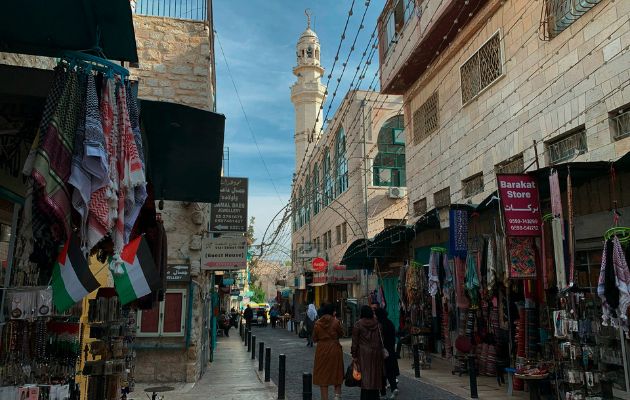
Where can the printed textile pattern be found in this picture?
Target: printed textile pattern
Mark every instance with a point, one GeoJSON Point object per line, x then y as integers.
{"type": "Point", "coordinates": [460, 277]}
{"type": "Point", "coordinates": [433, 273]}
{"type": "Point", "coordinates": [556, 198]}
{"type": "Point", "coordinates": [570, 230]}
{"type": "Point", "coordinates": [472, 281]}
{"type": "Point", "coordinates": [458, 233]}
{"type": "Point", "coordinates": [558, 252]}
{"type": "Point", "coordinates": [522, 257]}
{"type": "Point", "coordinates": [622, 279]}
{"type": "Point", "coordinates": [490, 271]}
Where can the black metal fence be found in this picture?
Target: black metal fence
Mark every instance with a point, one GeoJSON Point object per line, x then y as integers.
{"type": "Point", "coordinates": [196, 10]}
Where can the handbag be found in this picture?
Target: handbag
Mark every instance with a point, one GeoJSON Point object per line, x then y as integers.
{"type": "Point", "coordinates": [353, 375]}
{"type": "Point", "coordinates": [385, 352]}
{"type": "Point", "coordinates": [302, 333]}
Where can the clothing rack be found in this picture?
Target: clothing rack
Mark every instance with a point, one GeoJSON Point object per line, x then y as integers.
{"type": "Point", "coordinates": [74, 58]}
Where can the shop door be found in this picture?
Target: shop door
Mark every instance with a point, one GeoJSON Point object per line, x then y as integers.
{"type": "Point", "coordinates": [390, 288]}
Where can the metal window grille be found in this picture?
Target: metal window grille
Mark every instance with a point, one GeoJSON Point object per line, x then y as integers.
{"type": "Point", "coordinates": [567, 147]}
{"type": "Point", "coordinates": [420, 207]}
{"type": "Point", "coordinates": [483, 68]}
{"type": "Point", "coordinates": [622, 124]}
{"type": "Point", "coordinates": [560, 14]}
{"type": "Point", "coordinates": [196, 10]}
{"type": "Point", "coordinates": [513, 166]}
{"type": "Point", "coordinates": [442, 198]}
{"type": "Point", "coordinates": [473, 185]}
{"type": "Point", "coordinates": [426, 119]}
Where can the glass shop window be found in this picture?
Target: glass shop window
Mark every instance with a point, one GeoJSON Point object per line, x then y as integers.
{"type": "Point", "coordinates": [165, 319]}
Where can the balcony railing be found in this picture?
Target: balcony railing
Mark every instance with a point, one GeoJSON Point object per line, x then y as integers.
{"type": "Point", "coordinates": [196, 10]}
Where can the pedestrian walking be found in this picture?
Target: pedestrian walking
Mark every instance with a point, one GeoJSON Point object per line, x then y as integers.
{"type": "Point", "coordinates": [309, 323]}
{"type": "Point", "coordinates": [388, 334]}
{"type": "Point", "coordinates": [224, 323]}
{"type": "Point", "coordinates": [248, 314]}
{"type": "Point", "coordinates": [273, 315]}
{"type": "Point", "coordinates": [367, 352]}
{"type": "Point", "coordinates": [328, 365]}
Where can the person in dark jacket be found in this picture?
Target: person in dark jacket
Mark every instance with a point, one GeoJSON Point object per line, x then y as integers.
{"type": "Point", "coordinates": [388, 332]}
{"type": "Point", "coordinates": [248, 314]}
{"type": "Point", "coordinates": [309, 323]}
{"type": "Point", "coordinates": [367, 352]}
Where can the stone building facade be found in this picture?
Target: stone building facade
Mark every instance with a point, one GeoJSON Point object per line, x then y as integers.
{"type": "Point", "coordinates": [505, 90]}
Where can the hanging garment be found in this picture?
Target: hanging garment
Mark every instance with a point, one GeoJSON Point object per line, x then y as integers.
{"type": "Point", "coordinates": [447, 288]}
{"type": "Point", "coordinates": [402, 296]}
{"type": "Point", "coordinates": [460, 278]}
{"type": "Point", "coordinates": [490, 270]}
{"type": "Point", "coordinates": [558, 251]}
{"type": "Point", "coordinates": [472, 281]}
{"type": "Point", "coordinates": [434, 281]}
{"type": "Point", "coordinates": [95, 160]}
{"type": "Point", "coordinates": [556, 197]}
{"type": "Point", "coordinates": [458, 233]}
{"type": "Point", "coordinates": [79, 179]}
{"type": "Point", "coordinates": [570, 229]}
{"type": "Point", "coordinates": [522, 257]}
{"type": "Point", "coordinates": [614, 259]}
{"type": "Point", "coordinates": [52, 162]}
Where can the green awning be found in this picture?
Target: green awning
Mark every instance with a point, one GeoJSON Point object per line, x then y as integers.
{"type": "Point", "coordinates": [47, 28]}
{"type": "Point", "coordinates": [184, 151]}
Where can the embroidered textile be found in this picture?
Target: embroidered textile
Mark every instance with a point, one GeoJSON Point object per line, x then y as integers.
{"type": "Point", "coordinates": [614, 260]}
{"type": "Point", "coordinates": [458, 233]}
{"type": "Point", "coordinates": [522, 257]}
{"type": "Point", "coordinates": [460, 277]}
{"type": "Point", "coordinates": [472, 281]}
{"type": "Point", "coordinates": [490, 263]}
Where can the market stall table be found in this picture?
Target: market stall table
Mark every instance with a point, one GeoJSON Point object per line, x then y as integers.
{"type": "Point", "coordinates": [533, 382]}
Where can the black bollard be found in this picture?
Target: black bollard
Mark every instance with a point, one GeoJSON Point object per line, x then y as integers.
{"type": "Point", "coordinates": [472, 373]}
{"type": "Point", "coordinates": [267, 364]}
{"type": "Point", "coordinates": [261, 355]}
{"type": "Point", "coordinates": [240, 330]}
{"type": "Point", "coordinates": [416, 361]}
{"type": "Point", "coordinates": [254, 347]}
{"type": "Point", "coordinates": [307, 386]}
{"type": "Point", "coordinates": [249, 341]}
{"type": "Point", "coordinates": [282, 371]}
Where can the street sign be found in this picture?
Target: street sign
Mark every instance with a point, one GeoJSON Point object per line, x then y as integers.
{"type": "Point", "coordinates": [223, 253]}
{"type": "Point", "coordinates": [178, 273]}
{"type": "Point", "coordinates": [230, 213]}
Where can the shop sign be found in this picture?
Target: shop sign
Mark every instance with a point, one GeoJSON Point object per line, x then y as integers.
{"type": "Point", "coordinates": [319, 264]}
{"type": "Point", "coordinates": [341, 275]}
{"type": "Point", "coordinates": [520, 204]}
{"type": "Point", "coordinates": [230, 213]}
{"type": "Point", "coordinates": [224, 253]}
{"type": "Point", "coordinates": [178, 273]}
{"type": "Point", "coordinates": [320, 277]}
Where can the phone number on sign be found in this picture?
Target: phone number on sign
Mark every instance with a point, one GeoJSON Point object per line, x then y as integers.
{"type": "Point", "coordinates": [523, 221]}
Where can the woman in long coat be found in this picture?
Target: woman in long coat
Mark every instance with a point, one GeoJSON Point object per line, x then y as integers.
{"type": "Point", "coordinates": [328, 368]}
{"type": "Point", "coordinates": [388, 332]}
{"type": "Point", "coordinates": [309, 323]}
{"type": "Point", "coordinates": [367, 351]}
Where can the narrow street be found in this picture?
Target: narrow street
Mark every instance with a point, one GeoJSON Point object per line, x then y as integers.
{"type": "Point", "coordinates": [300, 360]}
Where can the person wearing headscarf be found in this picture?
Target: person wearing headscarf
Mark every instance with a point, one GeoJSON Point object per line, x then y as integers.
{"type": "Point", "coordinates": [367, 352]}
{"type": "Point", "coordinates": [388, 334]}
{"type": "Point", "coordinates": [309, 323]}
{"type": "Point", "coordinates": [328, 364]}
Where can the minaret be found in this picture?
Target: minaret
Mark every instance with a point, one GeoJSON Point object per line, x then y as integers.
{"type": "Point", "coordinates": [307, 94]}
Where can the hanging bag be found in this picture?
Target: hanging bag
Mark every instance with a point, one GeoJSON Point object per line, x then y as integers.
{"type": "Point", "coordinates": [353, 375]}
{"type": "Point", "coordinates": [385, 352]}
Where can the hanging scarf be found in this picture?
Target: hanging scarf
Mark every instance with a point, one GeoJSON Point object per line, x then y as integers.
{"type": "Point", "coordinates": [402, 296]}
{"type": "Point", "coordinates": [434, 281]}
{"type": "Point", "coordinates": [447, 288]}
{"type": "Point", "coordinates": [52, 162]}
{"type": "Point", "coordinates": [570, 233]}
{"type": "Point", "coordinates": [614, 260]}
{"type": "Point", "coordinates": [558, 251]}
{"type": "Point", "coordinates": [95, 160]}
{"type": "Point", "coordinates": [458, 233]}
{"type": "Point", "coordinates": [556, 197]}
{"type": "Point", "coordinates": [472, 282]}
{"type": "Point", "coordinates": [460, 277]}
{"type": "Point", "coordinates": [490, 270]}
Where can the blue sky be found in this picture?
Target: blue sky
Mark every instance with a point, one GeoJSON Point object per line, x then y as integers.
{"type": "Point", "coordinates": [259, 39]}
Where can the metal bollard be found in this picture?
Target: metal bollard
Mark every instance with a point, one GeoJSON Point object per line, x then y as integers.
{"type": "Point", "coordinates": [416, 361]}
{"type": "Point", "coordinates": [249, 341]}
{"type": "Point", "coordinates": [261, 355]}
{"type": "Point", "coordinates": [240, 330]}
{"type": "Point", "coordinates": [282, 372]}
{"type": "Point", "coordinates": [307, 386]}
{"type": "Point", "coordinates": [472, 373]}
{"type": "Point", "coordinates": [267, 364]}
{"type": "Point", "coordinates": [254, 347]}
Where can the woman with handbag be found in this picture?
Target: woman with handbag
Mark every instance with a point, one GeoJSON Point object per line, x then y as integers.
{"type": "Point", "coordinates": [328, 365]}
{"type": "Point", "coordinates": [368, 352]}
{"type": "Point", "coordinates": [388, 335]}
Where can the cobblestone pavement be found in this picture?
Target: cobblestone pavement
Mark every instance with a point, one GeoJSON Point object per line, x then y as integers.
{"type": "Point", "coordinates": [299, 359]}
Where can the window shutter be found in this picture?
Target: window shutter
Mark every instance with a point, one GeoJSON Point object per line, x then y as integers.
{"type": "Point", "coordinates": [150, 319]}
{"type": "Point", "coordinates": [173, 309]}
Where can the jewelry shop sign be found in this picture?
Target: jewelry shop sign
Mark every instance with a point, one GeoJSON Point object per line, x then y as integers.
{"type": "Point", "coordinates": [230, 213]}
{"type": "Point", "coordinates": [224, 253]}
{"type": "Point", "coordinates": [520, 204]}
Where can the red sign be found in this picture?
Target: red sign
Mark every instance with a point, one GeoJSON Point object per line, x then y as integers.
{"type": "Point", "coordinates": [319, 264]}
{"type": "Point", "coordinates": [520, 204]}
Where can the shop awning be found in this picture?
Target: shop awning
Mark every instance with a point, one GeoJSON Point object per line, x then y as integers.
{"type": "Point", "coordinates": [356, 255]}
{"type": "Point", "coordinates": [47, 28]}
{"type": "Point", "coordinates": [184, 151]}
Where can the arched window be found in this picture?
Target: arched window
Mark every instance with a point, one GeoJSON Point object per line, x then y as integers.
{"type": "Point", "coordinates": [316, 197]}
{"type": "Point", "coordinates": [328, 181]}
{"type": "Point", "coordinates": [389, 163]}
{"type": "Point", "coordinates": [341, 163]}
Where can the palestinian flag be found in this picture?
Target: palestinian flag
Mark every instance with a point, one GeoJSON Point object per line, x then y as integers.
{"type": "Point", "coordinates": [72, 279]}
{"type": "Point", "coordinates": [138, 275]}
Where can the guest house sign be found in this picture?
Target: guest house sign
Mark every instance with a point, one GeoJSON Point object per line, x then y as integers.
{"type": "Point", "coordinates": [520, 204]}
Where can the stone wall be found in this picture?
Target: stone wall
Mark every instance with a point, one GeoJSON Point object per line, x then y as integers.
{"type": "Point", "coordinates": [175, 61]}
{"type": "Point", "coordinates": [27, 61]}
{"type": "Point", "coordinates": [546, 90]}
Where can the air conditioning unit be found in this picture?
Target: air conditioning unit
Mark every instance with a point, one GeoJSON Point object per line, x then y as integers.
{"type": "Point", "coordinates": [396, 193]}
